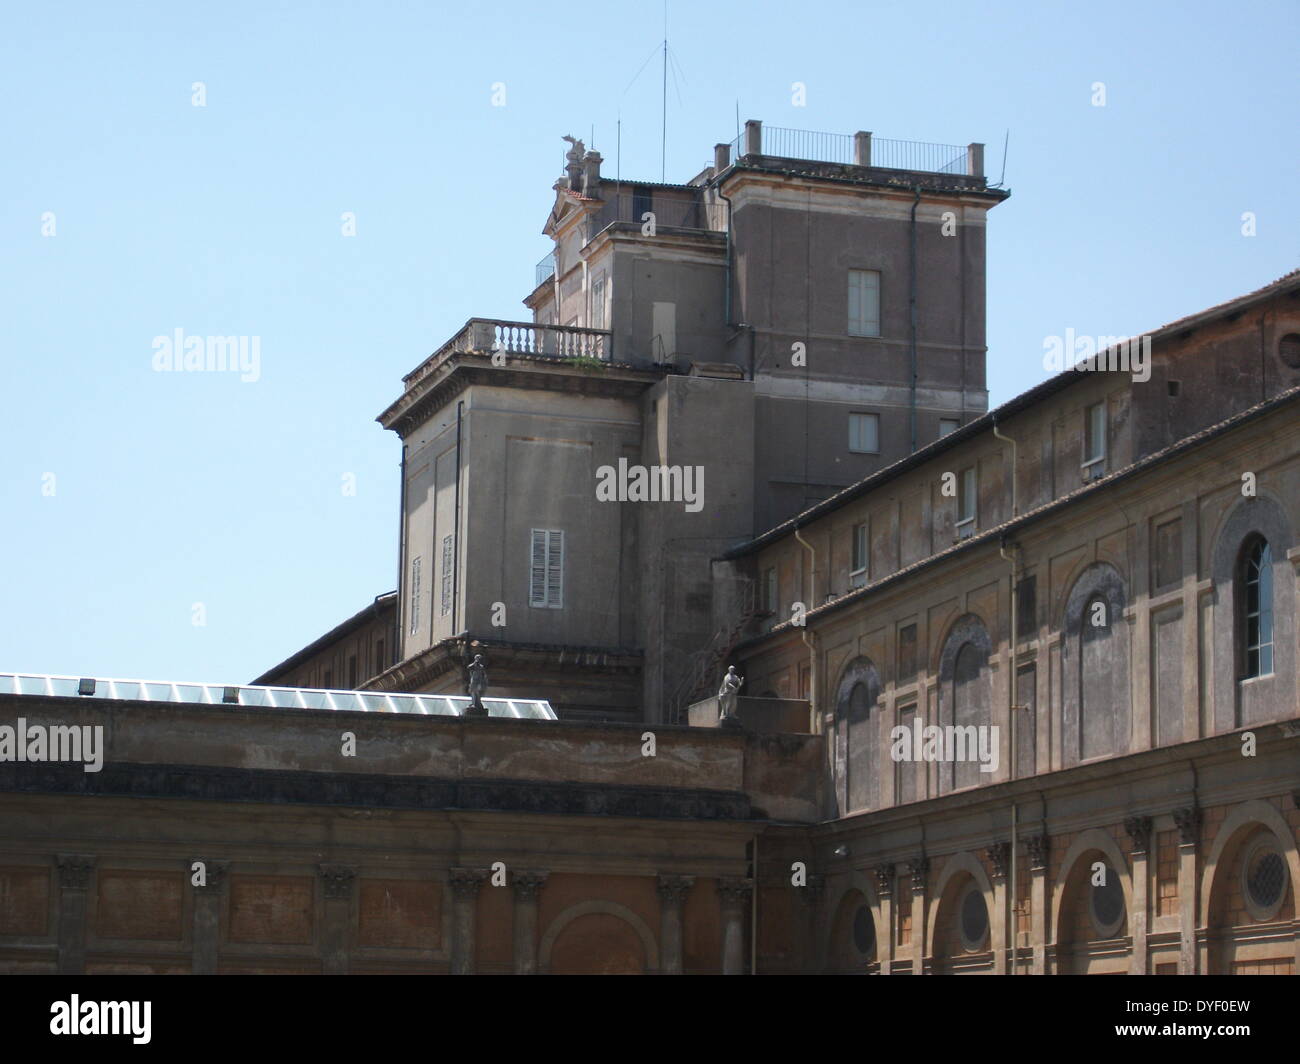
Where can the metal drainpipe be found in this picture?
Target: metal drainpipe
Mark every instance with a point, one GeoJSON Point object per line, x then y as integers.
{"type": "Point", "coordinates": [1012, 708]}
{"type": "Point", "coordinates": [912, 313]}
{"type": "Point", "coordinates": [809, 643]}
{"type": "Point", "coordinates": [399, 617]}
{"type": "Point", "coordinates": [727, 295]}
{"type": "Point", "coordinates": [455, 570]}
{"type": "Point", "coordinates": [753, 916]}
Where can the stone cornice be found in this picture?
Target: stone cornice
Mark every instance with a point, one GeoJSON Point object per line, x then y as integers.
{"type": "Point", "coordinates": [278, 787]}
{"type": "Point", "coordinates": [450, 655]}
{"type": "Point", "coordinates": [460, 370]}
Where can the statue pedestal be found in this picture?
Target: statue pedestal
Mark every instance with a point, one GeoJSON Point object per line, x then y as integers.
{"type": "Point", "coordinates": [476, 709]}
{"type": "Point", "coordinates": [732, 721]}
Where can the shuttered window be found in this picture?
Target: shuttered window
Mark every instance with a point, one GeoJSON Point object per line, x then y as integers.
{"type": "Point", "coordinates": [415, 594]}
{"type": "Point", "coordinates": [448, 572]}
{"type": "Point", "coordinates": [546, 569]}
{"type": "Point", "coordinates": [864, 303]}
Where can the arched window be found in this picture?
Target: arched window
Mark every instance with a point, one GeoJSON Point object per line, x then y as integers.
{"type": "Point", "coordinates": [1096, 661]}
{"type": "Point", "coordinates": [1095, 701]}
{"type": "Point", "coordinates": [1257, 609]}
{"type": "Point", "coordinates": [857, 738]}
{"type": "Point", "coordinates": [965, 701]}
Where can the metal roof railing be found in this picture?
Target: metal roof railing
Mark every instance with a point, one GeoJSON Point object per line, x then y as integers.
{"type": "Point", "coordinates": [185, 692]}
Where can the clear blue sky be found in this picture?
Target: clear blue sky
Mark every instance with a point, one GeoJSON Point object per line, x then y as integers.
{"type": "Point", "coordinates": [176, 489]}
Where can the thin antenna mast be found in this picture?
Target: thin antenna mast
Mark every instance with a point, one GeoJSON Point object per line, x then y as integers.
{"type": "Point", "coordinates": [663, 137]}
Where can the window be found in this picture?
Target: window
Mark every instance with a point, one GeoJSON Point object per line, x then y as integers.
{"type": "Point", "coordinates": [1263, 878]}
{"type": "Point", "coordinates": [1168, 547]}
{"type": "Point", "coordinates": [767, 591]}
{"type": "Point", "coordinates": [947, 425]}
{"type": "Point", "coordinates": [642, 199]}
{"type": "Point", "coordinates": [973, 920]}
{"type": "Point", "coordinates": [448, 575]}
{"type": "Point", "coordinates": [1257, 581]}
{"type": "Point", "coordinates": [966, 494]}
{"type": "Point", "coordinates": [864, 433]}
{"type": "Point", "coordinates": [380, 663]}
{"type": "Point", "coordinates": [1107, 903]}
{"type": "Point", "coordinates": [858, 569]}
{"type": "Point", "coordinates": [546, 569]}
{"type": "Point", "coordinates": [416, 564]}
{"type": "Point", "coordinates": [906, 653]}
{"type": "Point", "coordinates": [1094, 440]}
{"type": "Point", "coordinates": [1026, 605]}
{"type": "Point", "coordinates": [864, 303]}
{"type": "Point", "coordinates": [905, 773]}
{"type": "Point", "coordinates": [598, 303]}
{"type": "Point", "coordinates": [1288, 350]}
{"type": "Point", "coordinates": [864, 931]}
{"type": "Point", "coordinates": [352, 671]}
{"type": "Point", "coordinates": [327, 679]}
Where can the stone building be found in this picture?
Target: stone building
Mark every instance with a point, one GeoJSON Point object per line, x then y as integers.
{"type": "Point", "coordinates": [765, 334]}
{"type": "Point", "coordinates": [1020, 694]}
{"type": "Point", "coordinates": [1109, 595]}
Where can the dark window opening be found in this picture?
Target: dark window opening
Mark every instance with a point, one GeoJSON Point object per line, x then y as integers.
{"type": "Point", "coordinates": [1026, 607]}
{"type": "Point", "coordinates": [907, 653]}
{"type": "Point", "coordinates": [1257, 585]}
{"type": "Point", "coordinates": [641, 202]}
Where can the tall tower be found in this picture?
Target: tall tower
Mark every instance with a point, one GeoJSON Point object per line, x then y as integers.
{"type": "Point", "coordinates": [759, 337]}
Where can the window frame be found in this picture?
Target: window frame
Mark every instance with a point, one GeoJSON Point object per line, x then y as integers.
{"type": "Point", "coordinates": [413, 604]}
{"type": "Point", "coordinates": [448, 572]}
{"type": "Point", "coordinates": [1094, 435]}
{"type": "Point", "coordinates": [598, 301]}
{"type": "Point", "coordinates": [1262, 844]}
{"type": "Point", "coordinates": [1262, 615]}
{"type": "Point", "coordinates": [966, 526]}
{"type": "Point", "coordinates": [874, 420]}
{"type": "Point", "coordinates": [970, 945]}
{"type": "Point", "coordinates": [853, 326]}
{"type": "Point", "coordinates": [860, 552]}
{"type": "Point", "coordinates": [544, 601]}
{"type": "Point", "coordinates": [769, 592]}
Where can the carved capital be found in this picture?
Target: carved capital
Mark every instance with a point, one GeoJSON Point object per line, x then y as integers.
{"type": "Point", "coordinates": [465, 882]}
{"type": "Point", "coordinates": [1040, 846]}
{"type": "Point", "coordinates": [214, 875]}
{"type": "Point", "coordinates": [885, 874]}
{"type": "Point", "coordinates": [1139, 832]}
{"type": "Point", "coordinates": [734, 890]}
{"type": "Point", "coordinates": [999, 855]}
{"type": "Point", "coordinates": [673, 889]}
{"type": "Point", "coordinates": [919, 870]}
{"type": "Point", "coordinates": [337, 879]}
{"type": "Point", "coordinates": [74, 871]}
{"type": "Point", "coordinates": [528, 885]}
{"type": "Point", "coordinates": [1188, 820]}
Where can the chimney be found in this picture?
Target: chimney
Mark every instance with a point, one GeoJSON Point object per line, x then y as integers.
{"type": "Point", "coordinates": [861, 148]}
{"type": "Point", "coordinates": [753, 137]}
{"type": "Point", "coordinates": [591, 174]}
{"type": "Point", "coordinates": [721, 157]}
